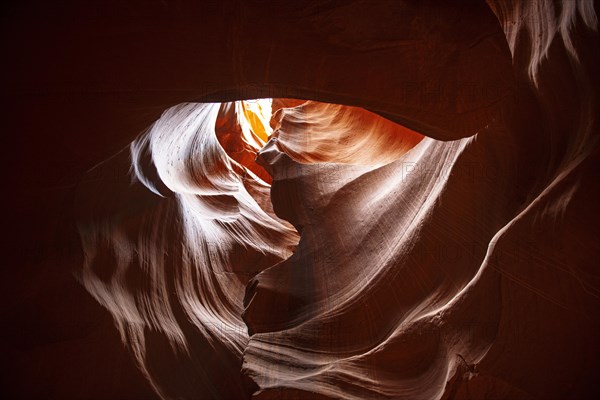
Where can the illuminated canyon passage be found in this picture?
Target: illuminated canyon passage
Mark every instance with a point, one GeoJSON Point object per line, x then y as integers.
{"type": "Point", "coordinates": [315, 200]}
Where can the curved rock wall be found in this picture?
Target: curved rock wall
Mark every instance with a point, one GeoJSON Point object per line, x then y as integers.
{"type": "Point", "coordinates": [432, 237]}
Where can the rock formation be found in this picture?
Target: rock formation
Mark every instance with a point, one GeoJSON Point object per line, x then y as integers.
{"type": "Point", "coordinates": [412, 215]}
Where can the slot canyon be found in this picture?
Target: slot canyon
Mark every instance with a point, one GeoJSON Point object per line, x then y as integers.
{"type": "Point", "coordinates": [335, 199]}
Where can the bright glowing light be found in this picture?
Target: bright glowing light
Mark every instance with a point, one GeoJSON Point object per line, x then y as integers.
{"type": "Point", "coordinates": [257, 113]}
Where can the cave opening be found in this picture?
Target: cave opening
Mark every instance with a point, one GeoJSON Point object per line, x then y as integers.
{"type": "Point", "coordinates": [309, 132]}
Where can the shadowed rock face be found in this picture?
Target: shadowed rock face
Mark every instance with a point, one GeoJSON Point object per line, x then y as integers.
{"type": "Point", "coordinates": [419, 225]}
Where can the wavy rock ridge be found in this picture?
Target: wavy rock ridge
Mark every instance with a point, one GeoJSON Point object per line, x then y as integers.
{"type": "Point", "coordinates": [328, 252]}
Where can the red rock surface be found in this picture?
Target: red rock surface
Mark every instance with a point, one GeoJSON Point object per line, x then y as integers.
{"type": "Point", "coordinates": [423, 228]}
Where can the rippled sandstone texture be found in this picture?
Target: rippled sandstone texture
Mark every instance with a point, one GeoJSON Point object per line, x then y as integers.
{"type": "Point", "coordinates": [355, 258]}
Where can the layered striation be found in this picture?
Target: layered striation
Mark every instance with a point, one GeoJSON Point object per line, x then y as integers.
{"type": "Point", "coordinates": [171, 247]}
{"type": "Point", "coordinates": [327, 252]}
